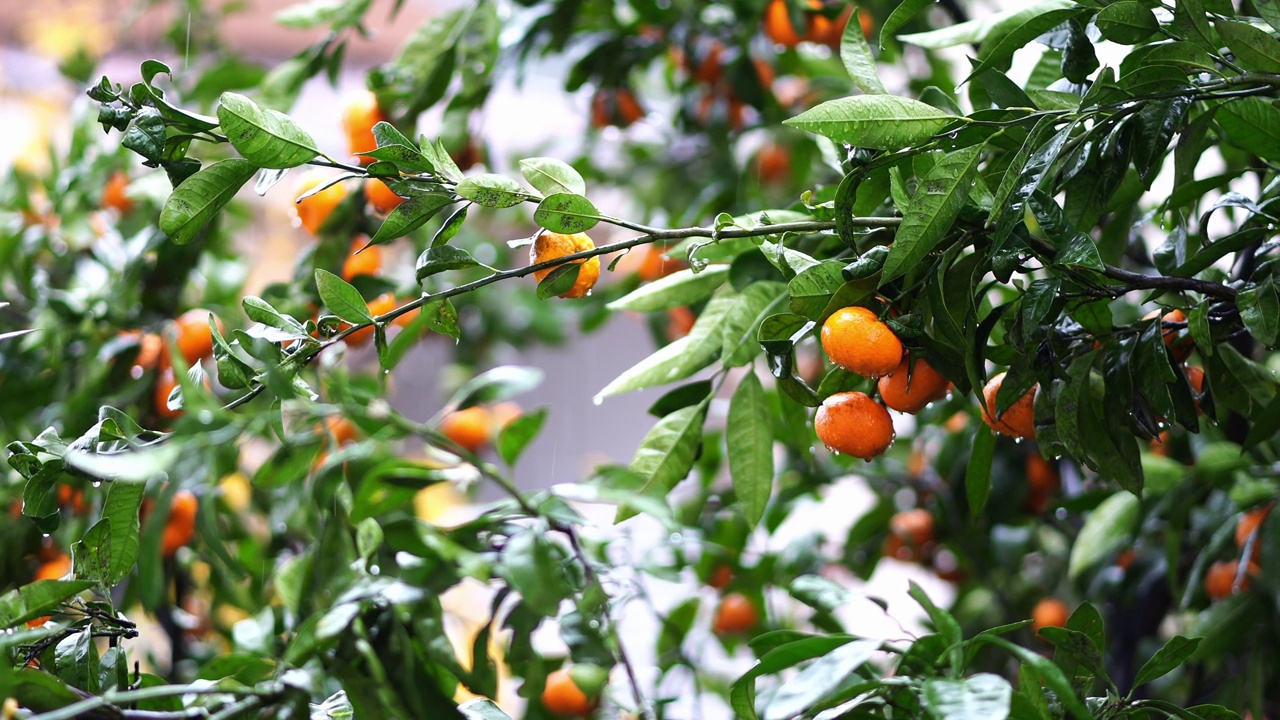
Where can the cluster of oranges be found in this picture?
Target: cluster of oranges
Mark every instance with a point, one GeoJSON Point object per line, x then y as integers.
{"type": "Point", "coordinates": [189, 335]}
{"type": "Point", "coordinates": [819, 28]}
{"type": "Point", "coordinates": [852, 422]}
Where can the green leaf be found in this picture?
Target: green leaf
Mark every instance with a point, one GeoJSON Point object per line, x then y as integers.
{"type": "Point", "coordinates": [200, 197]}
{"type": "Point", "coordinates": [534, 567]}
{"type": "Point", "coordinates": [681, 358]}
{"type": "Point", "coordinates": [559, 281]}
{"type": "Point", "coordinates": [1044, 669]}
{"type": "Point", "coordinates": [749, 437]}
{"type": "Point", "coordinates": [516, 436]}
{"type": "Point", "coordinates": [37, 599]}
{"type": "Point", "coordinates": [121, 512]}
{"type": "Point", "coordinates": [1016, 32]}
{"type": "Point", "coordinates": [444, 257]}
{"type": "Point", "coordinates": [1255, 50]}
{"type": "Point", "coordinates": [550, 176]}
{"type": "Point", "coordinates": [1174, 653]}
{"type": "Point", "coordinates": [935, 206]}
{"type": "Point", "coordinates": [858, 61]}
{"type": "Point", "coordinates": [341, 298]}
{"type": "Point", "coordinates": [882, 122]}
{"type": "Point", "coordinates": [900, 16]}
{"type": "Point", "coordinates": [943, 622]}
{"type": "Point", "coordinates": [811, 290]}
{"type": "Point", "coordinates": [680, 288]}
{"type": "Point", "coordinates": [501, 383]}
{"type": "Point", "coordinates": [1251, 124]}
{"type": "Point", "coordinates": [741, 325]}
{"type": "Point", "coordinates": [1128, 22]}
{"type": "Point", "coordinates": [667, 453]}
{"type": "Point", "coordinates": [978, 697]}
{"type": "Point", "coordinates": [819, 679]}
{"type": "Point", "coordinates": [566, 213]}
{"type": "Point", "coordinates": [411, 215]}
{"type": "Point", "coordinates": [1107, 529]}
{"type": "Point", "coordinates": [1270, 11]}
{"type": "Point", "coordinates": [492, 191]}
{"type": "Point", "coordinates": [742, 693]}
{"type": "Point", "coordinates": [482, 709]}
{"type": "Point", "coordinates": [990, 26]}
{"type": "Point", "coordinates": [1260, 310]}
{"type": "Point", "coordinates": [264, 137]}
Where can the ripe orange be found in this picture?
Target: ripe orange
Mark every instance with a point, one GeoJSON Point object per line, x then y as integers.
{"type": "Point", "coordinates": [680, 321]}
{"type": "Point", "coordinates": [824, 30]}
{"type": "Point", "coordinates": [314, 210]}
{"type": "Point", "coordinates": [1042, 482]}
{"type": "Point", "coordinates": [358, 118]}
{"type": "Point", "coordinates": [764, 73]}
{"type": "Point", "coordinates": [469, 428]}
{"type": "Point", "coordinates": [380, 305]}
{"type": "Point", "coordinates": [150, 350]}
{"type": "Point", "coordinates": [1177, 340]}
{"type": "Point", "coordinates": [362, 262]}
{"type": "Point", "coordinates": [562, 697]}
{"type": "Point", "coordinates": [720, 577]}
{"type": "Point", "coordinates": [925, 386]}
{"type": "Point", "coordinates": [115, 193]}
{"type": "Point", "coordinates": [381, 196]}
{"type": "Point", "coordinates": [710, 68]}
{"type": "Point", "coordinates": [549, 246]}
{"type": "Point", "coordinates": [468, 155]}
{"type": "Point", "coordinates": [615, 106]}
{"type": "Point", "coordinates": [340, 430]}
{"type": "Point", "coordinates": [407, 318]}
{"type": "Point", "coordinates": [165, 385]}
{"type": "Point", "coordinates": [1049, 612]}
{"type": "Point", "coordinates": [778, 26]}
{"type": "Point", "coordinates": [914, 527]}
{"type": "Point", "coordinates": [1195, 377]}
{"type": "Point", "coordinates": [73, 498]}
{"type": "Point", "coordinates": [651, 263]}
{"type": "Point", "coordinates": [1019, 421]}
{"type": "Point", "coordinates": [54, 569]}
{"type": "Point", "coordinates": [1248, 524]}
{"type": "Point", "coordinates": [773, 164]}
{"type": "Point", "coordinates": [856, 340]}
{"type": "Point", "coordinates": [504, 414]}
{"type": "Point", "coordinates": [854, 424]}
{"type": "Point", "coordinates": [191, 332]}
{"type": "Point", "coordinates": [1220, 578]}
{"type": "Point", "coordinates": [1126, 558]}
{"type": "Point", "coordinates": [180, 528]}
{"type": "Point", "coordinates": [736, 615]}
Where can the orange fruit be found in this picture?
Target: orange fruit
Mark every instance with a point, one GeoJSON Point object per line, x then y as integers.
{"type": "Point", "coordinates": [854, 424]}
{"type": "Point", "coordinates": [1126, 558]}
{"type": "Point", "coordinates": [1248, 524]}
{"type": "Point", "coordinates": [913, 526]}
{"type": "Point", "coordinates": [54, 569]}
{"type": "Point", "coordinates": [468, 155]}
{"type": "Point", "coordinates": [150, 350]}
{"type": "Point", "coordinates": [1177, 340]}
{"type": "Point", "coordinates": [1019, 420]}
{"type": "Point", "coordinates": [193, 335]}
{"type": "Point", "coordinates": [164, 386]}
{"type": "Point", "coordinates": [469, 428]}
{"type": "Point", "coordinates": [710, 69]}
{"type": "Point", "coordinates": [778, 26]}
{"type": "Point", "coordinates": [720, 577]}
{"type": "Point", "coordinates": [1049, 612]}
{"type": "Point", "coordinates": [381, 196]}
{"type": "Point", "coordinates": [340, 430]}
{"type": "Point", "coordinates": [180, 528]}
{"type": "Point", "coordinates": [856, 340]}
{"type": "Point", "coordinates": [562, 697]}
{"type": "Point", "coordinates": [822, 29]}
{"type": "Point", "coordinates": [314, 210]}
{"type": "Point", "coordinates": [1195, 378]}
{"type": "Point", "coordinates": [1160, 443]}
{"type": "Point", "coordinates": [773, 164]}
{"type": "Point", "coordinates": [407, 318]}
{"type": "Point", "coordinates": [652, 263]}
{"type": "Point", "coordinates": [115, 193]}
{"type": "Point", "coordinates": [736, 615]}
{"type": "Point", "coordinates": [549, 246]}
{"type": "Point", "coordinates": [867, 23]}
{"type": "Point", "coordinates": [504, 414]}
{"type": "Point", "coordinates": [380, 305]}
{"type": "Point", "coordinates": [1042, 482]}
{"type": "Point", "coordinates": [73, 498]}
{"type": "Point", "coordinates": [1220, 578]}
{"type": "Point", "coordinates": [680, 321]}
{"type": "Point", "coordinates": [911, 396]}
{"type": "Point", "coordinates": [359, 116]}
{"type": "Point", "coordinates": [615, 107]}
{"type": "Point", "coordinates": [362, 262]}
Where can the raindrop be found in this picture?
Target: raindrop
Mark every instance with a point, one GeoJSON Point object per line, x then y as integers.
{"type": "Point", "coordinates": [374, 570]}
{"type": "Point", "coordinates": [96, 484]}
{"type": "Point", "coordinates": [676, 538]}
{"type": "Point", "coordinates": [1060, 513]}
{"type": "Point", "coordinates": [1017, 441]}
{"type": "Point", "coordinates": [45, 535]}
{"type": "Point", "coordinates": [597, 400]}
{"type": "Point", "coordinates": [833, 450]}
